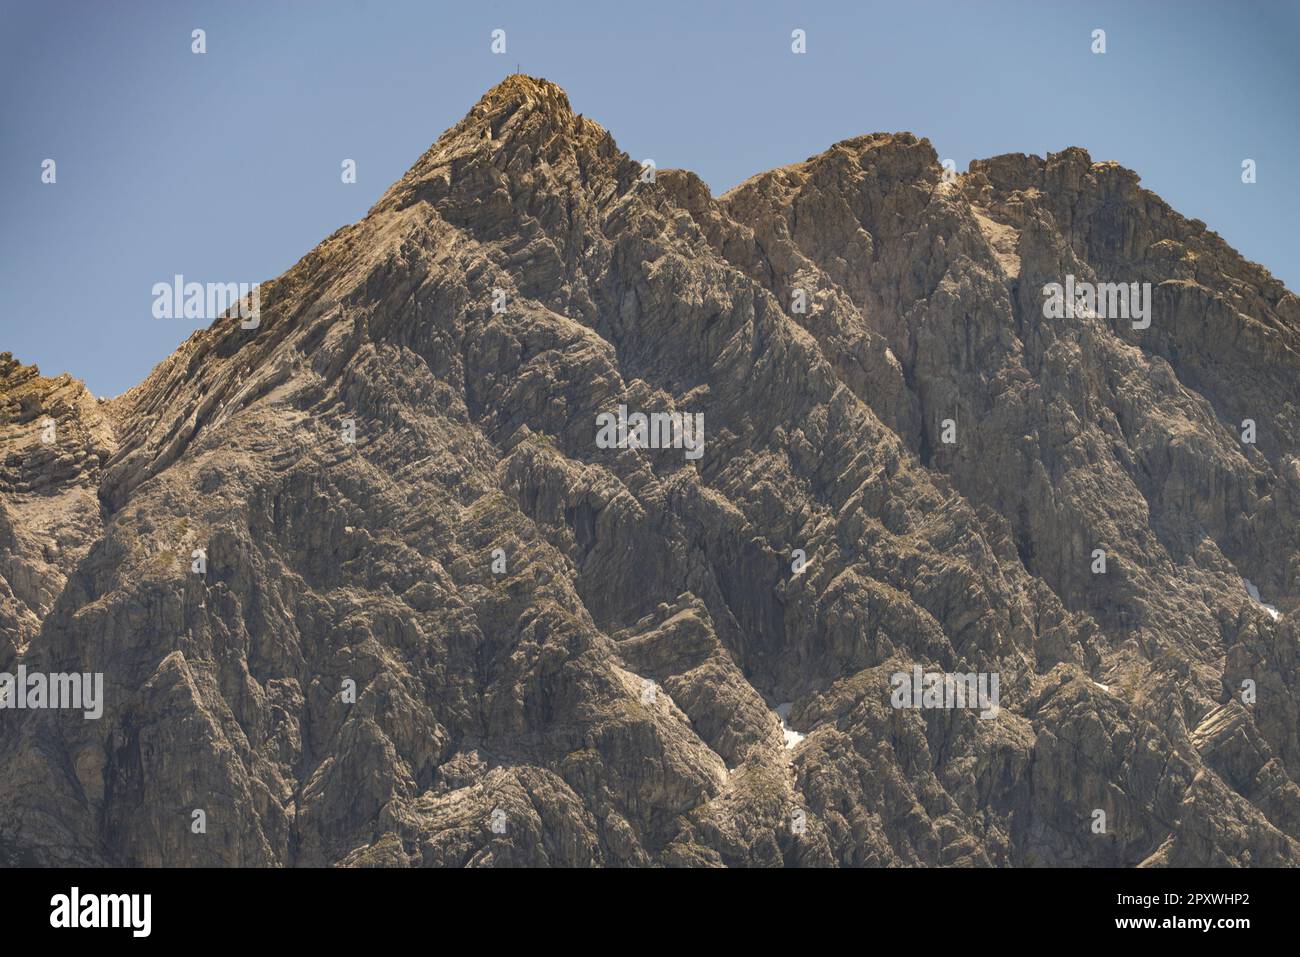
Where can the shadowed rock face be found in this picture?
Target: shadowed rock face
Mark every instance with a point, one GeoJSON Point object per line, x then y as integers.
{"type": "Point", "coordinates": [609, 698]}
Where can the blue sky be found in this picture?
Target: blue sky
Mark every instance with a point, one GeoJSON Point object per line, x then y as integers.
{"type": "Point", "coordinates": [225, 166]}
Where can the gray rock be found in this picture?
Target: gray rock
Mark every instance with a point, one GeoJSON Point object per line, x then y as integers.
{"type": "Point", "coordinates": [607, 698]}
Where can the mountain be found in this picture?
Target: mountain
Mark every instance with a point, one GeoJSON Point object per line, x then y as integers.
{"type": "Point", "coordinates": [565, 653]}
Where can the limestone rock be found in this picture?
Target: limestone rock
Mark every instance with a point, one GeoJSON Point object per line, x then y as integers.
{"type": "Point", "coordinates": [439, 625]}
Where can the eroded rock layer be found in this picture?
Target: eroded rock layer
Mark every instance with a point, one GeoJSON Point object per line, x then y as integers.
{"type": "Point", "coordinates": [565, 654]}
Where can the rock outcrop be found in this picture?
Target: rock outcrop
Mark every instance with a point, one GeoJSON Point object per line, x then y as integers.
{"type": "Point", "coordinates": [436, 623]}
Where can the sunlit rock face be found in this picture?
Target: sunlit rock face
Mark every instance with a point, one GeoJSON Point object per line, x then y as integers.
{"type": "Point", "coordinates": [365, 588]}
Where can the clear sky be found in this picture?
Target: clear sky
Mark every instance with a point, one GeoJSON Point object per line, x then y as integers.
{"type": "Point", "coordinates": [225, 167]}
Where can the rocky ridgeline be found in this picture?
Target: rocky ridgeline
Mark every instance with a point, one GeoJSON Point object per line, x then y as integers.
{"type": "Point", "coordinates": [54, 439]}
{"type": "Point", "coordinates": [434, 623]}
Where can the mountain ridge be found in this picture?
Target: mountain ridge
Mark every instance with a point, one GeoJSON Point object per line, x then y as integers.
{"type": "Point", "coordinates": [526, 691]}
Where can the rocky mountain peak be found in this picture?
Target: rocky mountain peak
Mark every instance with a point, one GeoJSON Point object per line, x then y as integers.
{"type": "Point", "coordinates": [367, 585]}
{"type": "Point", "coordinates": [518, 92]}
{"type": "Point", "coordinates": [522, 130]}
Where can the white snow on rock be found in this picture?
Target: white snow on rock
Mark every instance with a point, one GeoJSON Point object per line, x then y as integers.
{"type": "Point", "coordinates": [1253, 592]}
{"type": "Point", "coordinates": [792, 737]}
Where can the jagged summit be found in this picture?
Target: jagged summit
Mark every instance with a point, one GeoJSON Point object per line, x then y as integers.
{"type": "Point", "coordinates": [365, 587]}
{"type": "Point", "coordinates": [521, 131]}
{"type": "Point", "coordinates": [519, 90]}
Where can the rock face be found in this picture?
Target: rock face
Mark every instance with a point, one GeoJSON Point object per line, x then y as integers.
{"type": "Point", "coordinates": [438, 624]}
{"type": "Point", "coordinates": [54, 441]}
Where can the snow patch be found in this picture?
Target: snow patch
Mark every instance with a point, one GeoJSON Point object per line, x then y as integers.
{"type": "Point", "coordinates": [792, 737]}
{"type": "Point", "coordinates": [1253, 592]}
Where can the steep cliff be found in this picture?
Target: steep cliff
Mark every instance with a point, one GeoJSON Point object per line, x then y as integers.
{"type": "Point", "coordinates": [569, 654]}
